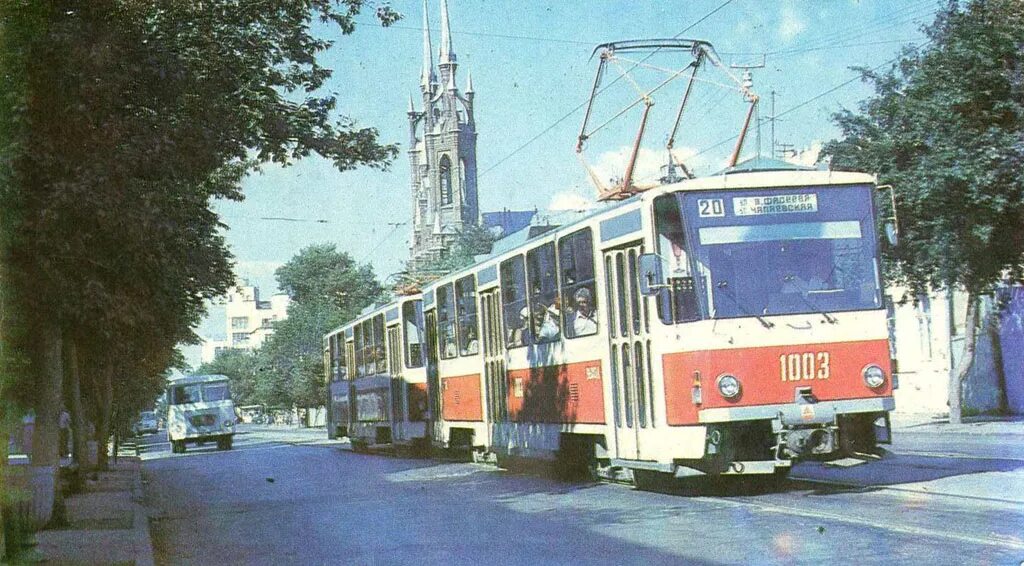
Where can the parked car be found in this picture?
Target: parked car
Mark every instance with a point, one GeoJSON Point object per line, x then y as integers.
{"type": "Point", "coordinates": [147, 423]}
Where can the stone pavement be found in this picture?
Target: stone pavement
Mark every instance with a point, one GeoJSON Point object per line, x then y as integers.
{"type": "Point", "coordinates": [106, 524]}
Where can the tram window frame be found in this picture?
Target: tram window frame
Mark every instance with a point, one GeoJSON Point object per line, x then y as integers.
{"type": "Point", "coordinates": [351, 356]}
{"type": "Point", "coordinates": [670, 299]}
{"type": "Point", "coordinates": [514, 301]}
{"type": "Point", "coordinates": [369, 360]}
{"type": "Point", "coordinates": [412, 316]}
{"type": "Point", "coordinates": [542, 281]}
{"type": "Point", "coordinates": [379, 350]}
{"type": "Point", "coordinates": [467, 316]}
{"type": "Point", "coordinates": [636, 314]}
{"type": "Point", "coordinates": [446, 323]}
{"type": "Point", "coordinates": [357, 341]}
{"type": "Point", "coordinates": [339, 343]}
{"type": "Point", "coordinates": [575, 259]}
{"type": "Point", "coordinates": [329, 375]}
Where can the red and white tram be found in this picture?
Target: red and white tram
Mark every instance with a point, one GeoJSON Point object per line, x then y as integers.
{"type": "Point", "coordinates": [377, 379]}
{"type": "Point", "coordinates": [731, 324]}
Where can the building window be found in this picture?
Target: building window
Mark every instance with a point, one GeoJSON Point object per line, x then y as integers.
{"type": "Point", "coordinates": [446, 180]}
{"type": "Point", "coordinates": [239, 322]}
{"type": "Point", "coordinates": [240, 337]}
{"type": "Point", "coordinates": [267, 322]}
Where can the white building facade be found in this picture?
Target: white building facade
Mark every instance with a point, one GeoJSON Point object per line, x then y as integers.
{"type": "Point", "coordinates": [248, 320]}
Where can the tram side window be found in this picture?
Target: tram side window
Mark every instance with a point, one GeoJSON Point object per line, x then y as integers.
{"type": "Point", "coordinates": [378, 344]}
{"type": "Point", "coordinates": [513, 301]}
{"type": "Point", "coordinates": [678, 301]}
{"type": "Point", "coordinates": [446, 322]}
{"type": "Point", "coordinates": [339, 348]}
{"type": "Point", "coordinates": [332, 357]}
{"type": "Point", "coordinates": [579, 294]}
{"type": "Point", "coordinates": [358, 343]}
{"type": "Point", "coordinates": [465, 306]}
{"type": "Point", "coordinates": [412, 317]}
{"type": "Point", "coordinates": [368, 355]}
{"type": "Point", "coordinates": [545, 313]}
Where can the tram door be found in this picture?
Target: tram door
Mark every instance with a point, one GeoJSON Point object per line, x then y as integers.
{"type": "Point", "coordinates": [495, 376]}
{"type": "Point", "coordinates": [433, 379]}
{"type": "Point", "coordinates": [628, 323]}
{"type": "Point", "coordinates": [398, 414]}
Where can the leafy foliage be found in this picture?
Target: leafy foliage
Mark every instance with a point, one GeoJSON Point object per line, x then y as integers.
{"type": "Point", "coordinates": [122, 121]}
{"type": "Point", "coordinates": [946, 129]}
{"type": "Point", "coordinates": [327, 288]}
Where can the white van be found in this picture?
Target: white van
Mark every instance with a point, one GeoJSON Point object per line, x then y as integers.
{"type": "Point", "coordinates": [199, 409]}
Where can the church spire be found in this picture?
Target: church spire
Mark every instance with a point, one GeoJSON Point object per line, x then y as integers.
{"type": "Point", "coordinates": [428, 76]}
{"type": "Point", "coordinates": [447, 55]}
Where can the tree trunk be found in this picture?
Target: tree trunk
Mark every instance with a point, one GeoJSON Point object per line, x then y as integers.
{"type": "Point", "coordinates": [79, 449]}
{"type": "Point", "coordinates": [994, 330]}
{"type": "Point", "coordinates": [105, 396]}
{"type": "Point", "coordinates": [45, 436]}
{"type": "Point", "coordinates": [959, 373]}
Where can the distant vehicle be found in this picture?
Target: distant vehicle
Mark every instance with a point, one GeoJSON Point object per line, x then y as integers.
{"type": "Point", "coordinates": [200, 409]}
{"type": "Point", "coordinates": [147, 423]}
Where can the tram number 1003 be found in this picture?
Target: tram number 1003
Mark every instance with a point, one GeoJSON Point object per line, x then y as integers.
{"type": "Point", "coordinates": [808, 365]}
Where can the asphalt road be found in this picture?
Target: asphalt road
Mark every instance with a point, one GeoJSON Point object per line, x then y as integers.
{"type": "Point", "coordinates": [292, 497]}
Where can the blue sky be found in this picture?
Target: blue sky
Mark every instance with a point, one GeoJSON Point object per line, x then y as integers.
{"type": "Point", "coordinates": [531, 67]}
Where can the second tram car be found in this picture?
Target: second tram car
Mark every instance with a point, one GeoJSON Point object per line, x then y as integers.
{"type": "Point", "coordinates": [377, 379]}
{"type": "Point", "coordinates": [731, 324]}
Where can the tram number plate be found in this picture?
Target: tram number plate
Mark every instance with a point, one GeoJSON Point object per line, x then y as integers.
{"type": "Point", "coordinates": [805, 366]}
{"type": "Point", "coordinates": [710, 207]}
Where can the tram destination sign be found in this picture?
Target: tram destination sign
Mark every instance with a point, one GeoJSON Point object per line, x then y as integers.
{"type": "Point", "coordinates": [774, 204]}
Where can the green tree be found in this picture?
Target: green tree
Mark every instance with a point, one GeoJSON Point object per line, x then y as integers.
{"type": "Point", "coordinates": [320, 273]}
{"type": "Point", "coordinates": [945, 127]}
{"type": "Point", "coordinates": [242, 367]}
{"type": "Point", "coordinates": [124, 120]}
{"type": "Point", "coordinates": [327, 288]}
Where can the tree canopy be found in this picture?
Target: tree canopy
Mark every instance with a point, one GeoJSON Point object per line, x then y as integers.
{"type": "Point", "coordinates": [122, 122]}
{"type": "Point", "coordinates": [327, 288]}
{"type": "Point", "coordinates": [946, 129]}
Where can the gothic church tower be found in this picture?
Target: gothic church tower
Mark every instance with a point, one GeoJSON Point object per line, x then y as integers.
{"type": "Point", "coordinates": [442, 152]}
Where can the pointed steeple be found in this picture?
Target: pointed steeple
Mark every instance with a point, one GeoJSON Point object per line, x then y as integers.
{"type": "Point", "coordinates": [428, 76]}
{"type": "Point", "coordinates": [447, 53]}
{"type": "Point", "coordinates": [469, 83]}
{"type": "Point", "coordinates": [412, 107]}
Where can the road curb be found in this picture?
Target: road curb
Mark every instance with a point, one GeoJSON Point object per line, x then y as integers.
{"type": "Point", "coordinates": [140, 523]}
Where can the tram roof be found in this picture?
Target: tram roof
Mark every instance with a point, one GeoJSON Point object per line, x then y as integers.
{"type": "Point", "coordinates": [751, 174]}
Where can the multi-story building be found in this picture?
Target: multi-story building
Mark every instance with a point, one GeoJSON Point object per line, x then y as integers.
{"type": "Point", "coordinates": [248, 320]}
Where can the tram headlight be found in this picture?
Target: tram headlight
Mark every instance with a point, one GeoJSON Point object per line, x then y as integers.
{"type": "Point", "coordinates": [874, 376]}
{"type": "Point", "coordinates": [728, 386]}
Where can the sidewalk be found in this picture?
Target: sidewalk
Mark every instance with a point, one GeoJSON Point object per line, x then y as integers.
{"type": "Point", "coordinates": [107, 523]}
{"type": "Point", "coordinates": [939, 424]}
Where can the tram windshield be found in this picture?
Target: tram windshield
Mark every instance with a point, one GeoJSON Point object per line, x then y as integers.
{"type": "Point", "coordinates": [772, 251]}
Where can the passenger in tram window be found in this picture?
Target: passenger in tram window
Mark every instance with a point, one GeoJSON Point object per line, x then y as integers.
{"type": "Point", "coordinates": [545, 323]}
{"type": "Point", "coordinates": [449, 347]}
{"type": "Point", "coordinates": [472, 344]}
{"type": "Point", "coordinates": [584, 322]}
